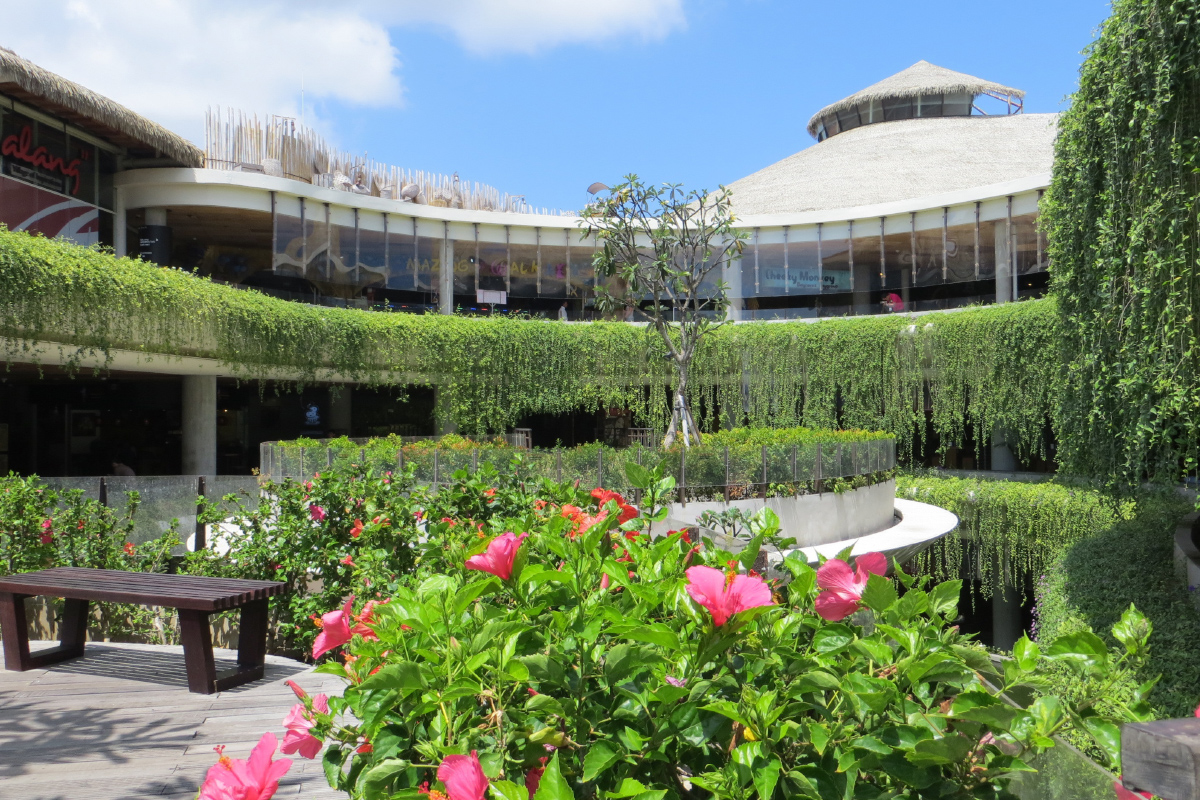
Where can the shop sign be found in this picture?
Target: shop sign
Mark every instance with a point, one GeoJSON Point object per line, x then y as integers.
{"type": "Point", "coordinates": [806, 280]}
{"type": "Point", "coordinates": [38, 166]}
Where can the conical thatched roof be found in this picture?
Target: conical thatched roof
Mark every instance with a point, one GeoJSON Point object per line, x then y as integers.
{"type": "Point", "coordinates": [921, 78]}
{"type": "Point", "coordinates": [903, 160]}
{"type": "Point", "coordinates": [92, 112]}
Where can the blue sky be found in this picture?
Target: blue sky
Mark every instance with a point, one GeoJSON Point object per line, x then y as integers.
{"type": "Point", "coordinates": [723, 97]}
{"type": "Point", "coordinates": [543, 97]}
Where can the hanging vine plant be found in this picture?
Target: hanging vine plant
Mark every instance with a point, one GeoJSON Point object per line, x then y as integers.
{"type": "Point", "coordinates": [1124, 236]}
{"type": "Point", "coordinates": [976, 368]}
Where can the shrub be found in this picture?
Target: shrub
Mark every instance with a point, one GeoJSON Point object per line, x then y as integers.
{"type": "Point", "coordinates": [1091, 583]}
{"type": "Point", "coordinates": [41, 527]}
{"type": "Point", "coordinates": [583, 658]}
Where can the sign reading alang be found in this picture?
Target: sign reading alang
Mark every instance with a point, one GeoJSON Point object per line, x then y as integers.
{"type": "Point", "coordinates": [32, 166]}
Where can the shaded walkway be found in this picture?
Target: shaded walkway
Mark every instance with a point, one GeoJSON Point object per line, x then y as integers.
{"type": "Point", "coordinates": [121, 724]}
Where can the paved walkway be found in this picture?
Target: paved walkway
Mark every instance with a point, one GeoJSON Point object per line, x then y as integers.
{"type": "Point", "coordinates": [119, 723]}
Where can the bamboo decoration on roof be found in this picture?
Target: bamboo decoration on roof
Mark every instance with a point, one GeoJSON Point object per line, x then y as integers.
{"type": "Point", "coordinates": [235, 140]}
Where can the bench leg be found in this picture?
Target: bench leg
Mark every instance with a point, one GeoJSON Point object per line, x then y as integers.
{"type": "Point", "coordinates": [252, 647]}
{"type": "Point", "coordinates": [13, 625]}
{"type": "Point", "coordinates": [197, 651]}
{"type": "Point", "coordinates": [13, 629]}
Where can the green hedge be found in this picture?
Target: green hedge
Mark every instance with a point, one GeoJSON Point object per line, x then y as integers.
{"type": "Point", "coordinates": [983, 367]}
{"type": "Point", "coordinates": [791, 457]}
{"type": "Point", "coordinates": [1130, 561]}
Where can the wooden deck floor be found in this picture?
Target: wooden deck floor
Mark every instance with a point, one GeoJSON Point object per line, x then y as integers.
{"type": "Point", "coordinates": [120, 724]}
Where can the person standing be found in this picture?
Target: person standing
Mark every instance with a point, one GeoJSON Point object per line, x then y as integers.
{"type": "Point", "coordinates": [562, 311]}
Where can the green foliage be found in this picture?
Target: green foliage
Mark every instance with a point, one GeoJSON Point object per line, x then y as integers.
{"type": "Point", "coordinates": [41, 527]}
{"type": "Point", "coordinates": [1122, 219]}
{"type": "Point", "coordinates": [1028, 524]}
{"type": "Point", "coordinates": [592, 667]}
{"type": "Point", "coordinates": [1088, 587]}
{"type": "Point", "coordinates": [984, 367]}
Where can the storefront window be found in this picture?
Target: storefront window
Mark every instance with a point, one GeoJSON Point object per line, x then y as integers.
{"type": "Point", "coordinates": [402, 257]}
{"type": "Point", "coordinates": [289, 237]}
{"type": "Point", "coordinates": [372, 252]}
{"type": "Point", "coordinates": [524, 270]}
{"type": "Point", "coordinates": [493, 266]}
{"type": "Point", "coordinates": [554, 268]}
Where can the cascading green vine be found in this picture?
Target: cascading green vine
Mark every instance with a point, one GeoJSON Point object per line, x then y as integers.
{"type": "Point", "coordinates": [1124, 237]}
{"type": "Point", "coordinates": [976, 368]}
{"type": "Point", "coordinates": [1020, 527]}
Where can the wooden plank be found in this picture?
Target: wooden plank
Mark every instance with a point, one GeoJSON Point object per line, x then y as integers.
{"type": "Point", "coordinates": [1162, 757]}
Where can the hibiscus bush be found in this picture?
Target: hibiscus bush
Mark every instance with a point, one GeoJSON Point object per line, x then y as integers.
{"type": "Point", "coordinates": [567, 653]}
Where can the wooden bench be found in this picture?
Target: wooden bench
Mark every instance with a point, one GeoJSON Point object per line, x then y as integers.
{"type": "Point", "coordinates": [195, 598]}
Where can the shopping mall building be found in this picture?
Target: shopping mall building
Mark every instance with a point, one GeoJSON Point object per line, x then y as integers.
{"type": "Point", "coordinates": [920, 193]}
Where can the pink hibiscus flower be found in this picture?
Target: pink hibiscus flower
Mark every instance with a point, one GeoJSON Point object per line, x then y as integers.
{"type": "Point", "coordinates": [299, 723]}
{"type": "Point", "coordinates": [463, 777]}
{"type": "Point", "coordinates": [335, 629]}
{"type": "Point", "coordinates": [317, 513]}
{"type": "Point", "coordinates": [256, 778]}
{"type": "Point", "coordinates": [843, 587]}
{"type": "Point", "coordinates": [499, 557]}
{"type": "Point", "coordinates": [724, 595]}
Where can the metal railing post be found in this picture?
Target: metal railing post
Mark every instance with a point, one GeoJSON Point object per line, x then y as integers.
{"type": "Point", "coordinates": [201, 541]}
{"type": "Point", "coordinates": [817, 471]}
{"type": "Point", "coordinates": [726, 473]}
{"type": "Point", "coordinates": [795, 473]}
{"type": "Point", "coordinates": [682, 476]}
{"type": "Point", "coordinates": [558, 462]}
{"type": "Point", "coordinates": [435, 469]}
{"type": "Point", "coordinates": [764, 472]}
{"type": "Point", "coordinates": [103, 496]}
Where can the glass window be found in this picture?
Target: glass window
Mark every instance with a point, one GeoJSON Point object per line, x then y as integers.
{"type": "Point", "coordinates": [27, 208]}
{"type": "Point", "coordinates": [493, 266]}
{"type": "Point", "coordinates": [960, 252]}
{"type": "Point", "coordinates": [957, 105]}
{"type": "Point", "coordinates": [772, 276]}
{"type": "Point", "coordinates": [929, 256]}
{"type": "Point", "coordinates": [835, 260]}
{"type": "Point", "coordinates": [108, 165]}
{"type": "Point", "coordinates": [866, 257]}
{"type": "Point", "coordinates": [85, 154]}
{"type": "Point", "coordinates": [372, 272]}
{"type": "Point", "coordinates": [1025, 234]}
{"type": "Point", "coordinates": [803, 275]}
{"type": "Point", "coordinates": [316, 236]}
{"type": "Point", "coordinates": [523, 270]}
{"type": "Point", "coordinates": [554, 269]}
{"type": "Point", "coordinates": [898, 255]}
{"type": "Point", "coordinates": [848, 119]}
{"type": "Point", "coordinates": [897, 108]}
{"type": "Point", "coordinates": [464, 267]}
{"type": "Point", "coordinates": [930, 105]}
{"type": "Point", "coordinates": [289, 238]}
{"type": "Point", "coordinates": [429, 263]}
{"type": "Point", "coordinates": [581, 275]}
{"type": "Point", "coordinates": [402, 261]}
{"type": "Point", "coordinates": [341, 255]}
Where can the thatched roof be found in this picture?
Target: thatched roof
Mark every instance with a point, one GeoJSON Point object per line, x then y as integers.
{"type": "Point", "coordinates": [922, 78]}
{"type": "Point", "coordinates": [894, 161]}
{"type": "Point", "coordinates": [83, 108]}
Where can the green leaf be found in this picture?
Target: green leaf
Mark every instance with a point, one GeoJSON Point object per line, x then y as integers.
{"type": "Point", "coordinates": [331, 762]}
{"type": "Point", "coordinates": [601, 755]}
{"type": "Point", "coordinates": [656, 634]}
{"type": "Point", "coordinates": [376, 783]}
{"type": "Point", "coordinates": [831, 638]}
{"type": "Point", "coordinates": [1026, 654]}
{"type": "Point", "coordinates": [507, 790]}
{"type": "Point", "coordinates": [639, 477]}
{"type": "Point", "coordinates": [943, 599]}
{"type": "Point", "coordinates": [625, 661]}
{"type": "Point", "coordinates": [912, 603]}
{"type": "Point", "coordinates": [727, 709]}
{"type": "Point", "coordinates": [939, 752]}
{"type": "Point", "coordinates": [879, 594]}
{"type": "Point", "coordinates": [1133, 630]}
{"type": "Point", "coordinates": [766, 777]}
{"type": "Point", "coordinates": [552, 785]}
{"type": "Point", "coordinates": [1107, 736]}
{"type": "Point", "coordinates": [544, 704]}
{"type": "Point", "coordinates": [1082, 650]}
{"type": "Point", "coordinates": [628, 788]}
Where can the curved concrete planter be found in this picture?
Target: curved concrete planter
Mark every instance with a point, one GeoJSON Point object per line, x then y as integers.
{"type": "Point", "coordinates": [918, 525]}
{"type": "Point", "coordinates": [811, 519]}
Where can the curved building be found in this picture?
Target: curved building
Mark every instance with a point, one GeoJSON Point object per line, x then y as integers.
{"type": "Point", "coordinates": [911, 198]}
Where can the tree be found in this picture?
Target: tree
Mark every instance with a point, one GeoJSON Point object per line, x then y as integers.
{"type": "Point", "coordinates": [667, 247]}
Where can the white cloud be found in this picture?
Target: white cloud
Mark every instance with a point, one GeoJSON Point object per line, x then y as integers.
{"type": "Point", "coordinates": [527, 26]}
{"type": "Point", "coordinates": [171, 59]}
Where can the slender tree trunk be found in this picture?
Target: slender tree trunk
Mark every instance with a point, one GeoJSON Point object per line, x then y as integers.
{"type": "Point", "coordinates": [682, 422]}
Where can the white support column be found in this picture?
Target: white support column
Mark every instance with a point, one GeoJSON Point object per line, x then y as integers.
{"type": "Point", "coordinates": [199, 425]}
{"type": "Point", "coordinates": [1003, 263]}
{"type": "Point", "coordinates": [120, 224]}
{"type": "Point", "coordinates": [446, 276]}
{"type": "Point", "coordinates": [341, 403]}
